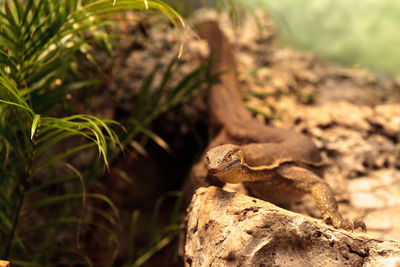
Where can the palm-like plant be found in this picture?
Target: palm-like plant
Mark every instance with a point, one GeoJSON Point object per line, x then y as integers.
{"type": "Point", "coordinates": [39, 42]}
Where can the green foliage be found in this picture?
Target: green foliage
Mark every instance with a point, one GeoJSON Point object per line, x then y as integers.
{"type": "Point", "coordinates": [40, 41]}
{"type": "Point", "coordinates": [158, 238]}
{"type": "Point", "coordinates": [362, 32]}
{"type": "Point", "coordinates": [150, 104]}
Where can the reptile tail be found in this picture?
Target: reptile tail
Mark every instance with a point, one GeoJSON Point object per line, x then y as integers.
{"type": "Point", "coordinates": [224, 97]}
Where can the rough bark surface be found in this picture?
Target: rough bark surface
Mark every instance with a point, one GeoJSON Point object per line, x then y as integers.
{"type": "Point", "coordinates": [231, 229]}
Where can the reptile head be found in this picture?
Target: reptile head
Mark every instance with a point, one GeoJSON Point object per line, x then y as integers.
{"type": "Point", "coordinates": [225, 163]}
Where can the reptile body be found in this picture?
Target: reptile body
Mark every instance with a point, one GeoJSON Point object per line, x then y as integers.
{"type": "Point", "coordinates": [274, 164]}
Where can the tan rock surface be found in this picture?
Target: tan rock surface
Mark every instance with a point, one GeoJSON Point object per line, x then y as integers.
{"type": "Point", "coordinates": [231, 229]}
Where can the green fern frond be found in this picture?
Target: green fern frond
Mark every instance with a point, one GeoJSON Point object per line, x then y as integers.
{"type": "Point", "coordinates": [154, 100]}
{"type": "Point", "coordinates": [40, 41]}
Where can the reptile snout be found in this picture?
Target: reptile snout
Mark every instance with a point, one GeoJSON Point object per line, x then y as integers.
{"type": "Point", "coordinates": [212, 170]}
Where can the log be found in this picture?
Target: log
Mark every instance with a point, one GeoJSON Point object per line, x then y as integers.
{"type": "Point", "coordinates": [232, 229]}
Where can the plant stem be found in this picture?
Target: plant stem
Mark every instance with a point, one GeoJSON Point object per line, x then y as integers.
{"type": "Point", "coordinates": [15, 223]}
{"type": "Point", "coordinates": [25, 185]}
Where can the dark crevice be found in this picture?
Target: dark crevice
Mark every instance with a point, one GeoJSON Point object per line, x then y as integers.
{"type": "Point", "coordinates": [363, 255]}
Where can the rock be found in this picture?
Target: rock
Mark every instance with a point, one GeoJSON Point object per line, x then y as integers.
{"type": "Point", "coordinates": [380, 189]}
{"type": "Point", "coordinates": [384, 220]}
{"type": "Point", "coordinates": [231, 229]}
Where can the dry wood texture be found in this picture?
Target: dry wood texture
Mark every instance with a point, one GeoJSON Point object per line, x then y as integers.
{"type": "Point", "coordinates": [231, 229]}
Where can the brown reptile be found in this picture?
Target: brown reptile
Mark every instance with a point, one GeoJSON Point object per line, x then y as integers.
{"type": "Point", "coordinates": [274, 164]}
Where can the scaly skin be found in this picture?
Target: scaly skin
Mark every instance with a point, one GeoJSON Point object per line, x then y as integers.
{"type": "Point", "coordinates": [283, 181]}
{"type": "Point", "coordinates": [275, 164]}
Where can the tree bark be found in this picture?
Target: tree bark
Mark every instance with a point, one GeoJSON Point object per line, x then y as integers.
{"type": "Point", "coordinates": [231, 229]}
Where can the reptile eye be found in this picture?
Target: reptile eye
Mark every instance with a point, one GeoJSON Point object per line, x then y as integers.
{"type": "Point", "coordinates": [229, 156]}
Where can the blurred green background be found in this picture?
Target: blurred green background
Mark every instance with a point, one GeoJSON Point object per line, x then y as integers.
{"type": "Point", "coordinates": [353, 32]}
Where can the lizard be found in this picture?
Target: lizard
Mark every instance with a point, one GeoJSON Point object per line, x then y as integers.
{"type": "Point", "coordinates": [274, 164]}
{"type": "Point", "coordinates": [270, 174]}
